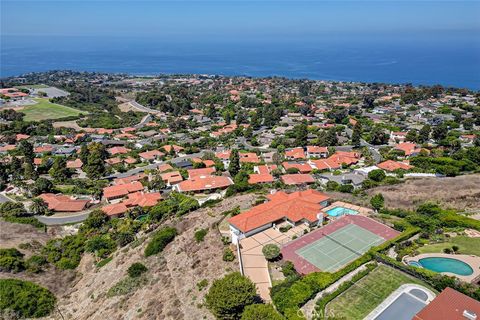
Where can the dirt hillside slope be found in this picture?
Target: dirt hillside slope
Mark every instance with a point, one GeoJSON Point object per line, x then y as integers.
{"type": "Point", "coordinates": [171, 291]}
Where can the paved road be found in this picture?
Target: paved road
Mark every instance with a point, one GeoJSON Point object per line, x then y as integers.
{"type": "Point", "coordinates": [141, 108]}
{"type": "Point", "coordinates": [52, 221]}
{"type": "Point", "coordinates": [144, 121]}
{"type": "Point", "coordinates": [377, 157]}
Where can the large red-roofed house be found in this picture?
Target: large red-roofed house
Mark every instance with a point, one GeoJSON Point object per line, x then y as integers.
{"type": "Point", "coordinates": [295, 208]}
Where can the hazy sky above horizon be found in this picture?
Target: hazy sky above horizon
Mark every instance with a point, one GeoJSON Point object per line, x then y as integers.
{"type": "Point", "coordinates": [232, 19]}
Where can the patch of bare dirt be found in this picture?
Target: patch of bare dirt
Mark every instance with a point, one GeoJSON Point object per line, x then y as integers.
{"type": "Point", "coordinates": [29, 240]}
{"type": "Point", "coordinates": [171, 291]}
{"type": "Point", "coordinates": [67, 124]}
{"type": "Point", "coordinates": [461, 193]}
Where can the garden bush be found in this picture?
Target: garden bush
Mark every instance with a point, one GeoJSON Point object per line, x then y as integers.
{"type": "Point", "coordinates": [25, 298]}
{"type": "Point", "coordinates": [136, 270]}
{"type": "Point", "coordinates": [271, 251]}
{"type": "Point", "coordinates": [160, 240]}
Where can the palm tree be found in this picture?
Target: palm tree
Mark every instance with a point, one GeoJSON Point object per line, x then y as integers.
{"type": "Point", "coordinates": [39, 207]}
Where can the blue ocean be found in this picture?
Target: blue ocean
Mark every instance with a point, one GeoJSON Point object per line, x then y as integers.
{"type": "Point", "coordinates": [449, 59]}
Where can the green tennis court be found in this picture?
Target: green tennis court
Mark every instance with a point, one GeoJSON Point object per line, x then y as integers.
{"type": "Point", "coordinates": [335, 250]}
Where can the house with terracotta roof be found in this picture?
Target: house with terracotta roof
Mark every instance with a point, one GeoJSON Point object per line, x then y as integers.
{"type": "Point", "coordinates": [152, 155]}
{"type": "Point", "coordinates": [171, 178]}
{"type": "Point", "coordinates": [293, 208]}
{"type": "Point", "coordinates": [115, 209]}
{"type": "Point", "coordinates": [450, 305]}
{"type": "Point", "coordinates": [264, 169]}
{"type": "Point", "coordinates": [295, 154]}
{"type": "Point", "coordinates": [317, 152]}
{"type": "Point", "coordinates": [302, 167]}
{"type": "Point", "coordinates": [75, 164]}
{"type": "Point", "coordinates": [297, 179]}
{"type": "Point", "coordinates": [248, 157]}
{"type": "Point", "coordinates": [176, 149]}
{"type": "Point", "coordinates": [125, 180]}
{"type": "Point", "coordinates": [256, 178]}
{"type": "Point", "coordinates": [63, 203]}
{"type": "Point", "coordinates": [118, 150]}
{"type": "Point", "coordinates": [397, 136]}
{"type": "Point", "coordinates": [203, 183]}
{"type": "Point", "coordinates": [224, 156]}
{"type": "Point", "coordinates": [164, 167]}
{"type": "Point", "coordinates": [121, 190]}
{"type": "Point", "coordinates": [200, 172]}
{"type": "Point", "coordinates": [390, 165]}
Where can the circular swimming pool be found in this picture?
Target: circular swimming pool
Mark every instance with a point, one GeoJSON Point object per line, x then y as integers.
{"type": "Point", "coordinates": [440, 264]}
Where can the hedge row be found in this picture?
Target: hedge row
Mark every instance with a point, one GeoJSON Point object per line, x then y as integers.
{"type": "Point", "coordinates": [323, 301]}
{"type": "Point", "coordinates": [290, 295]}
{"type": "Point", "coordinates": [435, 280]}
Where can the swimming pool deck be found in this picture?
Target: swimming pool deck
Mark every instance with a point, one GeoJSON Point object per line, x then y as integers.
{"type": "Point", "coordinates": [471, 260]}
{"type": "Point", "coordinates": [361, 210]}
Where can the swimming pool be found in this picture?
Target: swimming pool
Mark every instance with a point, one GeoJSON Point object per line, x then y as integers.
{"type": "Point", "coordinates": [340, 211]}
{"type": "Point", "coordinates": [440, 264]}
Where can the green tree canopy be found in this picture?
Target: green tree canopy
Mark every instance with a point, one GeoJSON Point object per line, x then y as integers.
{"type": "Point", "coordinates": [228, 296]}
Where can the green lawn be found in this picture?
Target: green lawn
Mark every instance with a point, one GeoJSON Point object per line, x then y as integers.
{"type": "Point", "coordinates": [467, 246]}
{"type": "Point", "coordinates": [364, 296]}
{"type": "Point", "coordinates": [44, 110]}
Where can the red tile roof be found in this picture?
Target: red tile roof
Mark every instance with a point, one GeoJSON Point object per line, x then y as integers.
{"type": "Point", "coordinates": [294, 206]}
{"type": "Point", "coordinates": [164, 167]}
{"type": "Point", "coordinates": [143, 199]}
{"type": "Point", "coordinates": [122, 190]}
{"type": "Point", "coordinates": [74, 164]}
{"type": "Point", "coordinates": [294, 179]}
{"type": "Point", "coordinates": [200, 172]}
{"type": "Point", "coordinates": [115, 209]}
{"type": "Point", "coordinates": [296, 153]}
{"type": "Point", "coordinates": [150, 155]}
{"type": "Point", "coordinates": [118, 150]}
{"type": "Point", "coordinates": [63, 203]}
{"type": "Point", "coordinates": [249, 157]}
{"type": "Point", "coordinates": [315, 149]}
{"type": "Point", "coordinates": [302, 167]}
{"type": "Point", "coordinates": [449, 305]}
{"type": "Point", "coordinates": [172, 177]}
{"type": "Point", "coordinates": [129, 179]}
{"type": "Point", "coordinates": [204, 182]}
{"type": "Point", "coordinates": [391, 165]}
{"type": "Point", "coordinates": [260, 178]}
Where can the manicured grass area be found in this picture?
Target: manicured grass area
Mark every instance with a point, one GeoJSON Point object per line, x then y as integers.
{"type": "Point", "coordinates": [44, 110]}
{"type": "Point", "coordinates": [467, 245]}
{"type": "Point", "coordinates": [365, 295]}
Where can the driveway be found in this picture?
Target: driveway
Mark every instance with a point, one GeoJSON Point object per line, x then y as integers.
{"type": "Point", "coordinates": [60, 220]}
{"type": "Point", "coordinates": [254, 264]}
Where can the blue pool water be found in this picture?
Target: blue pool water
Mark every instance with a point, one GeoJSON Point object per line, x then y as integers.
{"type": "Point", "coordinates": [340, 211]}
{"type": "Point", "coordinates": [439, 264]}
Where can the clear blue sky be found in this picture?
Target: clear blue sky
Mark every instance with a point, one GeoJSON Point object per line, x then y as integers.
{"type": "Point", "coordinates": [186, 19]}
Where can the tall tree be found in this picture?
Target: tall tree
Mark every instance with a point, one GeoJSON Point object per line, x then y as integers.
{"type": "Point", "coordinates": [301, 134]}
{"type": "Point", "coordinates": [39, 207]}
{"type": "Point", "coordinates": [424, 134]}
{"type": "Point", "coordinates": [357, 134]}
{"type": "Point", "coordinates": [234, 166]}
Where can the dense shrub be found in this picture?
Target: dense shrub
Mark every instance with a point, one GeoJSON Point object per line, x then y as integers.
{"type": "Point", "coordinates": [11, 260]}
{"type": "Point", "coordinates": [160, 240]}
{"type": "Point", "coordinates": [228, 255]}
{"type": "Point", "coordinates": [271, 251]}
{"type": "Point", "coordinates": [228, 296]}
{"type": "Point", "coordinates": [101, 245]}
{"type": "Point", "coordinates": [136, 269]}
{"type": "Point", "coordinates": [200, 234]}
{"type": "Point", "coordinates": [260, 312]}
{"type": "Point", "coordinates": [25, 298]}
{"type": "Point", "coordinates": [377, 175]}
{"type": "Point", "coordinates": [65, 253]}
